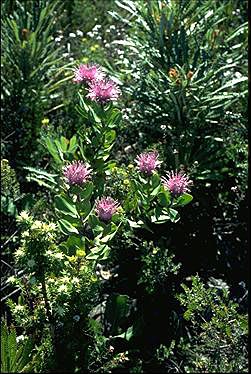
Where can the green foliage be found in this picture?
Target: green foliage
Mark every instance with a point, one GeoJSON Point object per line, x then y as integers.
{"type": "Point", "coordinates": [58, 289]}
{"type": "Point", "coordinates": [157, 266]}
{"type": "Point", "coordinates": [76, 213]}
{"type": "Point", "coordinates": [43, 357]}
{"type": "Point", "coordinates": [10, 189]}
{"type": "Point", "coordinates": [97, 135]}
{"type": "Point", "coordinates": [29, 59]}
{"type": "Point", "coordinates": [15, 355]}
{"type": "Point", "coordinates": [217, 340]}
{"type": "Point", "coordinates": [149, 202]}
{"type": "Point", "coordinates": [185, 77]}
{"type": "Point", "coordinates": [42, 177]}
{"type": "Point", "coordinates": [38, 252]}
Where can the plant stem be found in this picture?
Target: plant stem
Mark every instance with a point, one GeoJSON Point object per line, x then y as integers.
{"type": "Point", "coordinates": [48, 312]}
{"type": "Point", "coordinates": [47, 306]}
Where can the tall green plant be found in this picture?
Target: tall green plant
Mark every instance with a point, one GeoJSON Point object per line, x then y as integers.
{"type": "Point", "coordinates": [29, 59]}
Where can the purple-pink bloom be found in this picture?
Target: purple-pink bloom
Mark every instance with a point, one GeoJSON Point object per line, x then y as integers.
{"type": "Point", "coordinates": [177, 183]}
{"type": "Point", "coordinates": [148, 162]}
{"type": "Point", "coordinates": [103, 91]}
{"type": "Point", "coordinates": [77, 173]}
{"type": "Point", "coordinates": [86, 73]}
{"type": "Point", "coordinates": [106, 207]}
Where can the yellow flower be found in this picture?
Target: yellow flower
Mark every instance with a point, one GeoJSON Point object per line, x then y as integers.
{"type": "Point", "coordinates": [120, 209]}
{"type": "Point", "coordinates": [45, 121]}
{"type": "Point", "coordinates": [80, 253]}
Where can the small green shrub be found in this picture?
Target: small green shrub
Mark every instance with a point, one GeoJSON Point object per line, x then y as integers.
{"type": "Point", "coordinates": [216, 338]}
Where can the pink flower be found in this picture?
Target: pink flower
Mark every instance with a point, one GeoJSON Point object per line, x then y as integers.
{"type": "Point", "coordinates": [148, 162]}
{"type": "Point", "coordinates": [103, 91]}
{"type": "Point", "coordinates": [77, 173]}
{"type": "Point", "coordinates": [177, 183]}
{"type": "Point", "coordinates": [87, 74]}
{"type": "Point", "coordinates": [106, 207]}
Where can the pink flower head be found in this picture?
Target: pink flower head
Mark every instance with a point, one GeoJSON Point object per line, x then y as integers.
{"type": "Point", "coordinates": [148, 162]}
{"type": "Point", "coordinates": [87, 74]}
{"type": "Point", "coordinates": [106, 207]}
{"type": "Point", "coordinates": [177, 183]}
{"type": "Point", "coordinates": [77, 173]}
{"type": "Point", "coordinates": [103, 91]}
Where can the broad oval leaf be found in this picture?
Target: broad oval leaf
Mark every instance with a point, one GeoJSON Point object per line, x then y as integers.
{"type": "Point", "coordinates": [66, 227]}
{"type": "Point", "coordinates": [184, 199]}
{"type": "Point", "coordinates": [164, 198]}
{"type": "Point", "coordinates": [65, 206]}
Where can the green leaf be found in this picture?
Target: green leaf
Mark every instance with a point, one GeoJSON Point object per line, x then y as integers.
{"type": "Point", "coordinates": [184, 199]}
{"type": "Point", "coordinates": [154, 181]}
{"type": "Point", "coordinates": [137, 224]}
{"type": "Point", "coordinates": [158, 217]}
{"type": "Point", "coordinates": [110, 136]}
{"type": "Point", "coordinates": [115, 118]}
{"type": "Point", "coordinates": [174, 215]}
{"type": "Point", "coordinates": [65, 206]}
{"type": "Point", "coordinates": [60, 149]}
{"type": "Point", "coordinates": [64, 143]}
{"type": "Point", "coordinates": [66, 227]}
{"type": "Point", "coordinates": [155, 191]}
{"type": "Point", "coordinates": [109, 237]}
{"type": "Point", "coordinates": [232, 83]}
{"type": "Point", "coordinates": [53, 150]}
{"type": "Point", "coordinates": [12, 348]}
{"type": "Point", "coordinates": [99, 164]}
{"type": "Point", "coordinates": [164, 198]}
{"type": "Point", "coordinates": [93, 116]}
{"type": "Point", "coordinates": [72, 244]}
{"type": "Point", "coordinates": [128, 334]}
{"type": "Point", "coordinates": [93, 221]}
{"type": "Point", "coordinates": [87, 191]}
{"type": "Point", "coordinates": [84, 209]}
{"type": "Point", "coordinates": [100, 252]}
{"type": "Point", "coordinates": [73, 144]}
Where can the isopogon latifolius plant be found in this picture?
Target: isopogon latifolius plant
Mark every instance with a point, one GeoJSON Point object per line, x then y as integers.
{"type": "Point", "coordinates": [59, 267]}
{"type": "Point", "coordinates": [84, 207]}
{"type": "Point", "coordinates": [83, 204]}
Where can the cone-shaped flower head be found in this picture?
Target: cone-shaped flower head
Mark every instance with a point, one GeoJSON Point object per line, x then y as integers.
{"type": "Point", "coordinates": [148, 162]}
{"type": "Point", "coordinates": [86, 73]}
{"type": "Point", "coordinates": [103, 91]}
{"type": "Point", "coordinates": [77, 173]}
{"type": "Point", "coordinates": [177, 183]}
{"type": "Point", "coordinates": [106, 207]}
